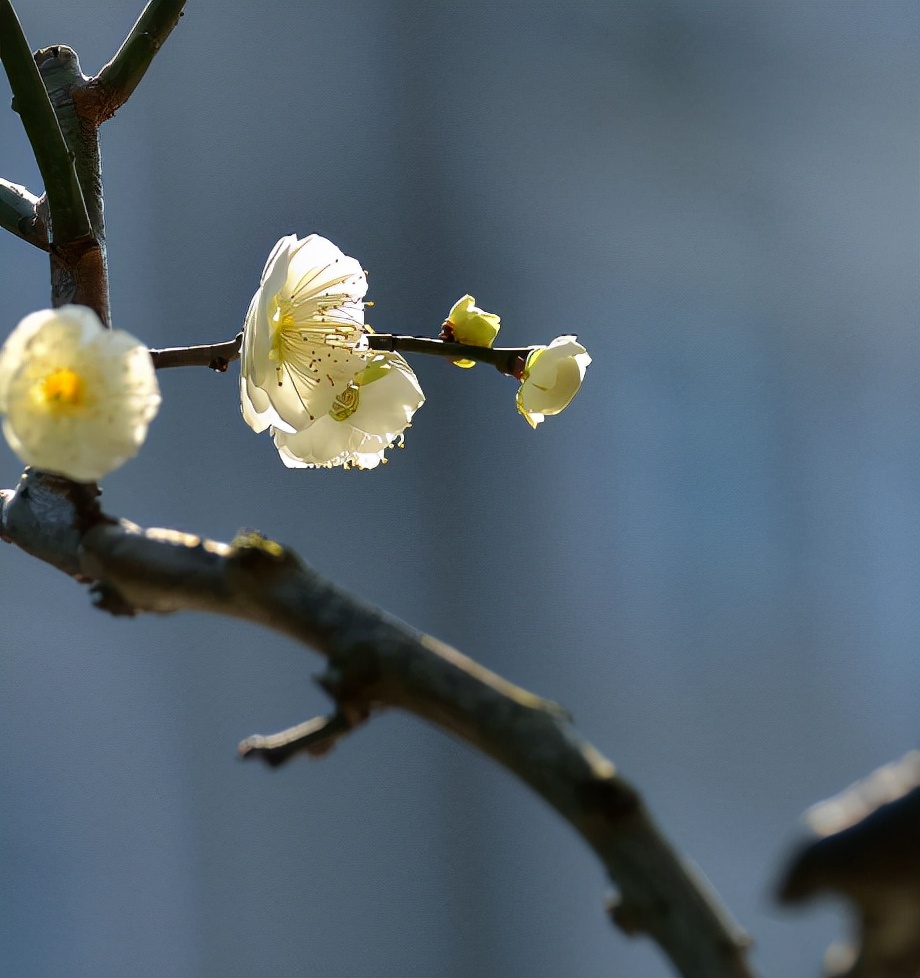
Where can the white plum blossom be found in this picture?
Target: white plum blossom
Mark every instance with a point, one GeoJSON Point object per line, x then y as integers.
{"type": "Point", "coordinates": [76, 398]}
{"type": "Point", "coordinates": [307, 372]}
{"type": "Point", "coordinates": [304, 334]}
{"type": "Point", "coordinates": [551, 377]}
{"type": "Point", "coordinates": [365, 419]}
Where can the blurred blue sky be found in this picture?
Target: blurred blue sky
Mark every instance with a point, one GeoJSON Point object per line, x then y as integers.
{"type": "Point", "coordinates": [712, 558]}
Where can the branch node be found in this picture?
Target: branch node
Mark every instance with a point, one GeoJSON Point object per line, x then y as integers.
{"type": "Point", "coordinates": [47, 516]}
{"type": "Point", "coordinates": [252, 551]}
{"type": "Point", "coordinates": [117, 80]}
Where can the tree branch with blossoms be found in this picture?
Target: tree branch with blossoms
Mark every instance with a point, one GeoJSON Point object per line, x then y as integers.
{"type": "Point", "coordinates": [77, 398]}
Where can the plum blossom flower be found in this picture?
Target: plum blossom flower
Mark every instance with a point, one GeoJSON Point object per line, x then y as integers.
{"type": "Point", "coordinates": [304, 337]}
{"type": "Point", "coordinates": [77, 398]}
{"type": "Point", "coordinates": [551, 377]}
{"type": "Point", "coordinates": [469, 324]}
{"type": "Point", "coordinates": [365, 419]}
{"type": "Point", "coordinates": [307, 371]}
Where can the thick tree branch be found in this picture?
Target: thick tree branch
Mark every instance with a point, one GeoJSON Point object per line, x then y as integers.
{"type": "Point", "coordinates": [19, 213]}
{"type": "Point", "coordinates": [374, 662]}
{"type": "Point", "coordinates": [79, 268]}
{"type": "Point", "coordinates": [30, 100]}
{"type": "Point", "coordinates": [113, 86]}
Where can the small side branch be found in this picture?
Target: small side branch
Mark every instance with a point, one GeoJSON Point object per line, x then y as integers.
{"type": "Point", "coordinates": [30, 100]}
{"type": "Point", "coordinates": [117, 80]}
{"type": "Point", "coordinates": [19, 214]}
{"type": "Point", "coordinates": [315, 737]}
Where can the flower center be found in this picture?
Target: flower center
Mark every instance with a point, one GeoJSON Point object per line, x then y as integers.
{"type": "Point", "coordinates": [61, 390]}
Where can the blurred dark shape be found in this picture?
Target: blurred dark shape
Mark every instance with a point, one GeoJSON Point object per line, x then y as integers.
{"type": "Point", "coordinates": [867, 848]}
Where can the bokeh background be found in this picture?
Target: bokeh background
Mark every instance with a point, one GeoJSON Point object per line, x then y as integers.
{"type": "Point", "coordinates": [712, 558]}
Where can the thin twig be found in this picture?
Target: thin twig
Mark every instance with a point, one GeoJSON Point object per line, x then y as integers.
{"type": "Point", "coordinates": [217, 356]}
{"type": "Point", "coordinates": [19, 214]}
{"type": "Point", "coordinates": [507, 360]}
{"type": "Point", "coordinates": [117, 80]}
{"type": "Point", "coordinates": [315, 737]}
{"type": "Point", "coordinates": [374, 662]}
{"type": "Point", "coordinates": [69, 216]}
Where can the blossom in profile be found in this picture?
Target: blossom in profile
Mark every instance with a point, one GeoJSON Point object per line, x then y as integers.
{"type": "Point", "coordinates": [551, 377]}
{"type": "Point", "coordinates": [76, 398]}
{"type": "Point", "coordinates": [469, 324]}
{"type": "Point", "coordinates": [366, 418]}
{"type": "Point", "coordinates": [304, 337]}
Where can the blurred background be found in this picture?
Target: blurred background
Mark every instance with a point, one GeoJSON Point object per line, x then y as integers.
{"type": "Point", "coordinates": [712, 558]}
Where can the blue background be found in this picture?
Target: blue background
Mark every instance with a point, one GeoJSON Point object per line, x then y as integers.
{"type": "Point", "coordinates": [711, 558]}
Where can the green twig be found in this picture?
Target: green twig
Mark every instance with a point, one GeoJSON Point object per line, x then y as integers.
{"type": "Point", "coordinates": [69, 218]}
{"type": "Point", "coordinates": [19, 214]}
{"type": "Point", "coordinates": [115, 83]}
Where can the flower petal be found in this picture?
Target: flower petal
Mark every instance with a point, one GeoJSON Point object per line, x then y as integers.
{"type": "Point", "coordinates": [387, 402]}
{"type": "Point", "coordinates": [304, 335]}
{"type": "Point", "coordinates": [552, 377]}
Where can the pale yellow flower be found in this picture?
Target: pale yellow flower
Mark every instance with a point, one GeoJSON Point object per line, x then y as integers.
{"type": "Point", "coordinates": [552, 377]}
{"type": "Point", "coordinates": [304, 336]}
{"type": "Point", "coordinates": [471, 325]}
{"type": "Point", "coordinates": [77, 398]}
{"type": "Point", "coordinates": [307, 372]}
{"type": "Point", "coordinates": [367, 418]}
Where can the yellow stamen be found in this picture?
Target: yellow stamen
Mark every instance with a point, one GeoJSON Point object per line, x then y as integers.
{"type": "Point", "coordinates": [283, 319]}
{"type": "Point", "coordinates": [61, 389]}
